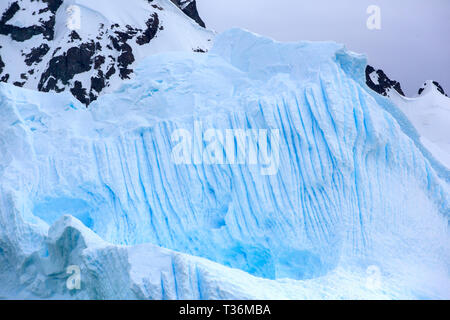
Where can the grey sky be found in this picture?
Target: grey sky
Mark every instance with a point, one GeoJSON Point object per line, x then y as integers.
{"type": "Point", "coordinates": [412, 46]}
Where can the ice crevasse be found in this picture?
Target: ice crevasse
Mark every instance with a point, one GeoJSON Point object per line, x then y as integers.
{"type": "Point", "coordinates": [97, 188]}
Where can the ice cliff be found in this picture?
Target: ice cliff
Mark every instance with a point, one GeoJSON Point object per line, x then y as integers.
{"type": "Point", "coordinates": [356, 193]}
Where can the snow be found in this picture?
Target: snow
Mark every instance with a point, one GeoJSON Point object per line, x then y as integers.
{"type": "Point", "coordinates": [26, 18]}
{"type": "Point", "coordinates": [355, 192]}
{"type": "Point", "coordinates": [430, 115]}
{"type": "Point", "coordinates": [374, 77]}
{"type": "Point", "coordinates": [178, 33]}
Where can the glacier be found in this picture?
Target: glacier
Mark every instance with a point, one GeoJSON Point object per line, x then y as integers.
{"type": "Point", "coordinates": [356, 191]}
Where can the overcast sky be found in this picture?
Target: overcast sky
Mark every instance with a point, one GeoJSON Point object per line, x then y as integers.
{"type": "Point", "coordinates": [412, 46]}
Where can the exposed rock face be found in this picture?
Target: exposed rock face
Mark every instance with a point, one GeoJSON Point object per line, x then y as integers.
{"type": "Point", "coordinates": [46, 25]}
{"type": "Point", "coordinates": [36, 54]}
{"type": "Point", "coordinates": [2, 65]}
{"type": "Point", "coordinates": [189, 7]}
{"type": "Point", "coordinates": [378, 81]}
{"type": "Point", "coordinates": [39, 50]}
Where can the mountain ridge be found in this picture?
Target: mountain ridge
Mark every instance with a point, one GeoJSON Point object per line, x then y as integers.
{"type": "Point", "coordinates": [39, 51]}
{"type": "Point", "coordinates": [41, 47]}
{"type": "Point", "coordinates": [378, 81]}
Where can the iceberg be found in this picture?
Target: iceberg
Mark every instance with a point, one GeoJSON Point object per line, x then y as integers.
{"type": "Point", "coordinates": [357, 208]}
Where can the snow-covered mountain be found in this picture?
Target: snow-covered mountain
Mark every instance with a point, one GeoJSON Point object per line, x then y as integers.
{"type": "Point", "coordinates": [379, 82]}
{"type": "Point", "coordinates": [89, 47]}
{"type": "Point", "coordinates": [429, 111]}
{"type": "Point", "coordinates": [357, 208]}
{"type": "Point", "coordinates": [430, 114]}
{"type": "Point", "coordinates": [432, 84]}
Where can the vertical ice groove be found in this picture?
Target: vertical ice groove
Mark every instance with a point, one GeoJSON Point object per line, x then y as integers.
{"type": "Point", "coordinates": [140, 168]}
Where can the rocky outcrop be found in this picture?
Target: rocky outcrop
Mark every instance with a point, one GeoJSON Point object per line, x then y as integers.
{"type": "Point", "coordinates": [38, 49]}
{"type": "Point", "coordinates": [436, 84]}
{"type": "Point", "coordinates": [45, 26]}
{"type": "Point", "coordinates": [189, 7]}
{"type": "Point", "coordinates": [378, 81]}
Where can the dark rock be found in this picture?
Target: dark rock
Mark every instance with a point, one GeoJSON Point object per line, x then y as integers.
{"type": "Point", "coordinates": [150, 32]}
{"type": "Point", "coordinates": [110, 72]}
{"type": "Point", "coordinates": [126, 57]}
{"type": "Point", "coordinates": [438, 88]}
{"type": "Point", "coordinates": [74, 36]}
{"type": "Point", "coordinates": [92, 97]}
{"type": "Point", "coordinates": [65, 67]}
{"type": "Point", "coordinates": [36, 54]}
{"type": "Point", "coordinates": [5, 78]}
{"type": "Point", "coordinates": [190, 10]}
{"type": "Point", "coordinates": [384, 83]}
{"type": "Point", "coordinates": [56, 51]}
{"type": "Point", "coordinates": [422, 89]}
{"type": "Point", "coordinates": [53, 5]}
{"type": "Point", "coordinates": [98, 83]}
{"type": "Point", "coordinates": [19, 84]}
{"type": "Point", "coordinates": [80, 93]}
{"type": "Point", "coordinates": [2, 65]}
{"type": "Point", "coordinates": [9, 13]}
{"type": "Point", "coordinates": [98, 62]}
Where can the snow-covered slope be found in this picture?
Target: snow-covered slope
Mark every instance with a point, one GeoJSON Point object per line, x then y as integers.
{"type": "Point", "coordinates": [429, 112]}
{"type": "Point", "coordinates": [430, 115]}
{"type": "Point", "coordinates": [355, 209]}
{"type": "Point", "coordinates": [89, 47]}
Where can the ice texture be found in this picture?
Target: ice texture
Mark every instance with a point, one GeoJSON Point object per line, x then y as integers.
{"type": "Point", "coordinates": [356, 192]}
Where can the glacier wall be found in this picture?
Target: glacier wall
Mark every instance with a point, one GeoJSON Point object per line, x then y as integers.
{"type": "Point", "coordinates": [98, 188]}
